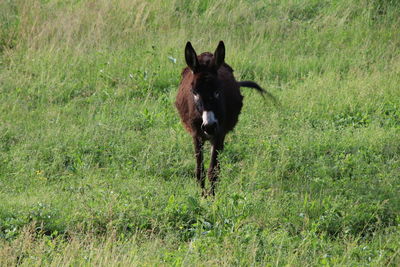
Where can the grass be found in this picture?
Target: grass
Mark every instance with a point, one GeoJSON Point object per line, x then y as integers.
{"type": "Point", "coordinates": [96, 168]}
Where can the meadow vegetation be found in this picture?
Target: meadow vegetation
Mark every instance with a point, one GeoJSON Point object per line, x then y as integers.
{"type": "Point", "coordinates": [96, 168]}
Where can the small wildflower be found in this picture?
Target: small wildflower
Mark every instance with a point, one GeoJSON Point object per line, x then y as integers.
{"type": "Point", "coordinates": [172, 59]}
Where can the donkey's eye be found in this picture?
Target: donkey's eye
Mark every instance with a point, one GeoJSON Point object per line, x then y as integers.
{"type": "Point", "coordinates": [195, 95]}
{"type": "Point", "coordinates": [216, 94]}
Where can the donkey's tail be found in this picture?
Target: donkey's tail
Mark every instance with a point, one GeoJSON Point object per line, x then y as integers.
{"type": "Point", "coordinates": [263, 92]}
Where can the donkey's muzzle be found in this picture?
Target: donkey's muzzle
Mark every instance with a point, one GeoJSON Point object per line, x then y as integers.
{"type": "Point", "coordinates": [210, 122]}
{"type": "Point", "coordinates": [210, 128]}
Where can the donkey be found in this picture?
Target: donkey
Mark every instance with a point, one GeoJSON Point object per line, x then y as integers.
{"type": "Point", "coordinates": [209, 103]}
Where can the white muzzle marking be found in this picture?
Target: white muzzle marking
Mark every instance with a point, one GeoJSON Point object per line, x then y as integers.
{"type": "Point", "coordinates": [209, 118]}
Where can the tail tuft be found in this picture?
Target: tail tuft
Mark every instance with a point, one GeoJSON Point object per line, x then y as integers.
{"type": "Point", "coordinates": [251, 84]}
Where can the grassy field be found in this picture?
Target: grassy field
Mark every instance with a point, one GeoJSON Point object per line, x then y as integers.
{"type": "Point", "coordinates": [96, 168]}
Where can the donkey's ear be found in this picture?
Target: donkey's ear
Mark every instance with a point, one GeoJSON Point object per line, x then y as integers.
{"type": "Point", "coordinates": [191, 57]}
{"type": "Point", "coordinates": [219, 54]}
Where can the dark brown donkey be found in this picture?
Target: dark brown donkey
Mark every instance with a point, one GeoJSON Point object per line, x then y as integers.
{"type": "Point", "coordinates": [209, 103]}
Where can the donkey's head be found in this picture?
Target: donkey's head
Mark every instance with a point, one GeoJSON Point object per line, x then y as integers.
{"type": "Point", "coordinates": [206, 89]}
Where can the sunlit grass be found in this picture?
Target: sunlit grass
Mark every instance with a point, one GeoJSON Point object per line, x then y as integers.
{"type": "Point", "coordinates": [96, 168]}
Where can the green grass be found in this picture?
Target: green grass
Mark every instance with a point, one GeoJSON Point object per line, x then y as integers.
{"type": "Point", "coordinates": [96, 168]}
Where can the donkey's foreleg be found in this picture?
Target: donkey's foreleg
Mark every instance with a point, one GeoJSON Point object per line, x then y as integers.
{"type": "Point", "coordinates": [216, 147]}
{"type": "Point", "coordinates": [198, 149]}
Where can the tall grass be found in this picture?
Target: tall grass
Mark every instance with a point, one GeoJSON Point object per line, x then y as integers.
{"type": "Point", "coordinates": [96, 169]}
